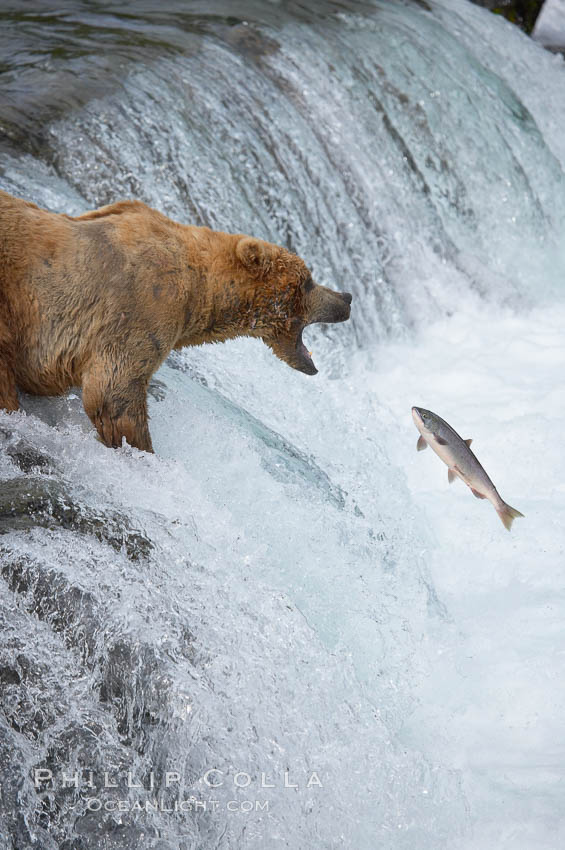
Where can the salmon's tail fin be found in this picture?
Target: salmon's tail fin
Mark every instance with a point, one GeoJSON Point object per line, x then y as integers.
{"type": "Point", "coordinates": [507, 515]}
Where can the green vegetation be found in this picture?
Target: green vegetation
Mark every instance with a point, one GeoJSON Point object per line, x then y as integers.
{"type": "Point", "coordinates": [520, 12]}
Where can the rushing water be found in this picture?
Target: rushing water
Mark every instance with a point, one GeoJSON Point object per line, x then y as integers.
{"type": "Point", "coordinates": [283, 594]}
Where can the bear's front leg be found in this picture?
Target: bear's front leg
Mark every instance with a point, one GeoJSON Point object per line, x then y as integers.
{"type": "Point", "coordinates": [8, 392]}
{"type": "Point", "coordinates": [8, 389]}
{"type": "Point", "coordinates": [116, 402]}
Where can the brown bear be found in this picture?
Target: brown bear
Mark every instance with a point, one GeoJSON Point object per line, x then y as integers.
{"type": "Point", "coordinates": [100, 300]}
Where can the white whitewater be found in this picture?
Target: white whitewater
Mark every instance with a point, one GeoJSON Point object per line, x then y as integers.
{"type": "Point", "coordinates": [348, 612]}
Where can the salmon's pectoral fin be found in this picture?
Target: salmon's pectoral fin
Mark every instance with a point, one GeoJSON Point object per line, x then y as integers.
{"type": "Point", "coordinates": [451, 475]}
{"type": "Point", "coordinates": [440, 441]}
{"type": "Point", "coordinates": [477, 494]}
{"type": "Point", "coordinates": [421, 444]}
{"type": "Point", "coordinates": [508, 515]}
{"type": "Point", "coordinates": [469, 441]}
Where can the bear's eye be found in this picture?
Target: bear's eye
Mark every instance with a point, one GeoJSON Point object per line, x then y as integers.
{"type": "Point", "coordinates": [309, 284]}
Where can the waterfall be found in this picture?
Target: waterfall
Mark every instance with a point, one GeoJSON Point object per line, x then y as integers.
{"type": "Point", "coordinates": [252, 639]}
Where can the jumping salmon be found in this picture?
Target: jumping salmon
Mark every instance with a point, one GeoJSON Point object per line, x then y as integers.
{"type": "Point", "coordinates": [460, 460]}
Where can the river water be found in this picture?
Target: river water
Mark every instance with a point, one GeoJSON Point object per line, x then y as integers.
{"type": "Point", "coordinates": [320, 644]}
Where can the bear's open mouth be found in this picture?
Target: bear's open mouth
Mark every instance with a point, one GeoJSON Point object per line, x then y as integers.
{"type": "Point", "coordinates": [305, 362]}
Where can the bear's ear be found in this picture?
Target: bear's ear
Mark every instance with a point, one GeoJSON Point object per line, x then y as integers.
{"type": "Point", "coordinates": [255, 255]}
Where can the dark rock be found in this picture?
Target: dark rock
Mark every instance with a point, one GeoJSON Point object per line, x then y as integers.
{"type": "Point", "coordinates": [28, 502]}
{"type": "Point", "coordinates": [79, 693]}
{"type": "Point", "coordinates": [521, 12]}
{"type": "Point", "coordinates": [251, 43]}
{"type": "Point", "coordinates": [27, 458]}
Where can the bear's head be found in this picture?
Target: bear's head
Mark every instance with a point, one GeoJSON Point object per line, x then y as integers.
{"type": "Point", "coordinates": [284, 299]}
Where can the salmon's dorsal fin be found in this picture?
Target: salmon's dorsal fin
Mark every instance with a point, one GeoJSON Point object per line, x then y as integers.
{"type": "Point", "coordinates": [451, 475]}
{"type": "Point", "coordinates": [477, 494]}
{"type": "Point", "coordinates": [421, 444]}
{"type": "Point", "coordinates": [469, 441]}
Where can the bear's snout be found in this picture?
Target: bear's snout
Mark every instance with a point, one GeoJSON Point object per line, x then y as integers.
{"type": "Point", "coordinates": [347, 298]}
{"type": "Point", "coordinates": [326, 305]}
{"type": "Point", "coordinates": [338, 307]}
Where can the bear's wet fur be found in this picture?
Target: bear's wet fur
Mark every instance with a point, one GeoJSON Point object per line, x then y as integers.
{"type": "Point", "coordinates": [99, 300]}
